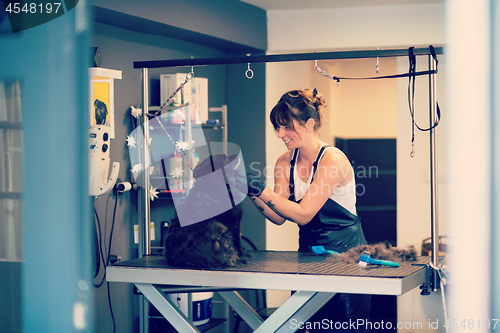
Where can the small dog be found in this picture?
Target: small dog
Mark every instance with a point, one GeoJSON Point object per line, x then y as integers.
{"type": "Point", "coordinates": [214, 242]}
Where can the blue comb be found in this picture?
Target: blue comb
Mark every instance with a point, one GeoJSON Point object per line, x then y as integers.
{"type": "Point", "coordinates": [319, 249]}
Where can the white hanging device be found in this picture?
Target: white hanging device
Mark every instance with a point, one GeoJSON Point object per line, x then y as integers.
{"type": "Point", "coordinates": [101, 130]}
{"type": "Point", "coordinates": [99, 142]}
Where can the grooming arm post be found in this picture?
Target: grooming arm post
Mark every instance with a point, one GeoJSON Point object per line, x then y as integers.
{"type": "Point", "coordinates": [144, 237]}
{"type": "Point", "coordinates": [143, 200]}
{"type": "Point", "coordinates": [433, 173]}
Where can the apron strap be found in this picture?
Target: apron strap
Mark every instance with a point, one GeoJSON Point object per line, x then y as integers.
{"type": "Point", "coordinates": [318, 158]}
{"type": "Point", "coordinates": [291, 183]}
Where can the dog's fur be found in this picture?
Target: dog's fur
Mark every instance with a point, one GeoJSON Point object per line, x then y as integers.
{"type": "Point", "coordinates": [381, 251]}
{"type": "Point", "coordinates": [214, 242]}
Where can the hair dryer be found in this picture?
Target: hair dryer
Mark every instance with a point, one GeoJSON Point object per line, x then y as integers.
{"type": "Point", "coordinates": [99, 142]}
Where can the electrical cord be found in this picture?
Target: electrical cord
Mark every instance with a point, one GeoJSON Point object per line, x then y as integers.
{"type": "Point", "coordinates": [99, 252]}
{"type": "Point", "coordinates": [107, 262]}
{"type": "Point", "coordinates": [112, 228]}
{"type": "Point", "coordinates": [105, 255]}
{"type": "Point", "coordinates": [111, 309]}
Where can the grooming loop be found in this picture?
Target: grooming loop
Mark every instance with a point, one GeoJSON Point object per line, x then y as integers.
{"type": "Point", "coordinates": [322, 72]}
{"type": "Point", "coordinates": [189, 76]}
{"type": "Point", "coordinates": [393, 76]}
{"type": "Point", "coordinates": [249, 71]}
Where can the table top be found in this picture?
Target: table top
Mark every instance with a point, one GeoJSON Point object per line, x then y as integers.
{"type": "Point", "coordinates": [281, 270]}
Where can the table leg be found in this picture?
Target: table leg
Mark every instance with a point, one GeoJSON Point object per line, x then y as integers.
{"type": "Point", "coordinates": [242, 308]}
{"type": "Point", "coordinates": [301, 306]}
{"type": "Point", "coordinates": [178, 320]}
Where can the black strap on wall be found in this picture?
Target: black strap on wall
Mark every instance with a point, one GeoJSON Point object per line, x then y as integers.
{"type": "Point", "coordinates": [411, 95]}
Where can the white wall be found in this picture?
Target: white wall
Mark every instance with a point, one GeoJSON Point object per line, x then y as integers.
{"type": "Point", "coordinates": [362, 109]}
{"type": "Point", "coordinates": [355, 28]}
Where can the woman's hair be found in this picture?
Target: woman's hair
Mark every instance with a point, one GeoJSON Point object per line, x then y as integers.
{"type": "Point", "coordinates": [299, 105]}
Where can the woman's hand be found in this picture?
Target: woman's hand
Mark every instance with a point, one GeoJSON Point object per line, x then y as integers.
{"type": "Point", "coordinates": [255, 185]}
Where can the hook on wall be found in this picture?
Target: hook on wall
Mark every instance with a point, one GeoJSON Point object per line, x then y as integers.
{"type": "Point", "coordinates": [190, 75]}
{"type": "Point", "coordinates": [377, 65]}
{"type": "Point", "coordinates": [249, 71]}
{"type": "Point", "coordinates": [322, 72]}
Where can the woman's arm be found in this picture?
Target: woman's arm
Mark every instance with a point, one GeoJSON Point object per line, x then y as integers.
{"type": "Point", "coordinates": [270, 214]}
{"type": "Point", "coordinates": [280, 188]}
{"type": "Point", "coordinates": [332, 170]}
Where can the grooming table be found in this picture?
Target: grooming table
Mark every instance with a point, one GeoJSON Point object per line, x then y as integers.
{"type": "Point", "coordinates": [315, 277]}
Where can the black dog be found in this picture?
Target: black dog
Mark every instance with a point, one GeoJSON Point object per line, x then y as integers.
{"type": "Point", "coordinates": [214, 242]}
{"type": "Point", "coordinates": [101, 113]}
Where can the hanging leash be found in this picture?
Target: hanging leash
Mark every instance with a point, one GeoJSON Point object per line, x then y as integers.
{"type": "Point", "coordinates": [338, 78]}
{"type": "Point", "coordinates": [411, 96]}
{"type": "Point", "coordinates": [412, 74]}
{"type": "Point", "coordinates": [189, 76]}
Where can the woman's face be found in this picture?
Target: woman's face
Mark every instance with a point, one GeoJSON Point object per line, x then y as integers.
{"type": "Point", "coordinates": [292, 138]}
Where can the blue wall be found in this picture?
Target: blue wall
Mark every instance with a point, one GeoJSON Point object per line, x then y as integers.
{"type": "Point", "coordinates": [51, 62]}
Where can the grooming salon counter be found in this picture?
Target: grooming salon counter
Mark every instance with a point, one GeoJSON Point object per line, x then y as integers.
{"type": "Point", "coordinates": [316, 277]}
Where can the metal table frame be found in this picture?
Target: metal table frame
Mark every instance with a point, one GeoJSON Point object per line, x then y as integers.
{"type": "Point", "coordinates": [392, 288]}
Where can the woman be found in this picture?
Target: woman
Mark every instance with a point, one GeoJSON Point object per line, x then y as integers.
{"type": "Point", "coordinates": [315, 188]}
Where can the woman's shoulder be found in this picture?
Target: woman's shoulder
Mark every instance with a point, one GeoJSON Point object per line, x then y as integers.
{"type": "Point", "coordinates": [334, 152]}
{"type": "Point", "coordinates": [285, 158]}
{"type": "Point", "coordinates": [334, 156]}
